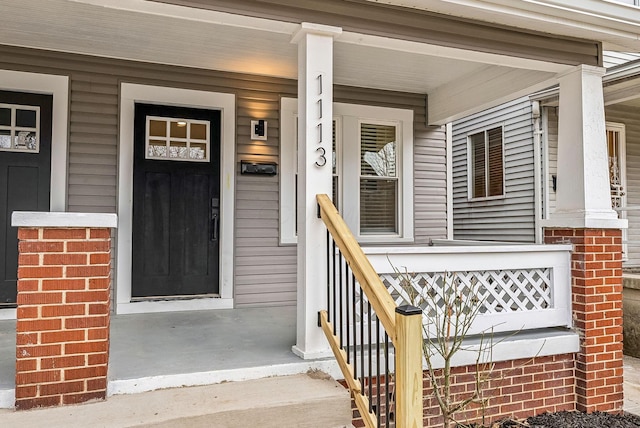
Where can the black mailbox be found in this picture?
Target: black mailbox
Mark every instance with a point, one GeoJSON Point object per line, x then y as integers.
{"type": "Point", "coordinates": [259, 168]}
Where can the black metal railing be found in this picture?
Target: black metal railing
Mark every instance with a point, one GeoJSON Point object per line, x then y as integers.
{"type": "Point", "coordinates": [361, 335]}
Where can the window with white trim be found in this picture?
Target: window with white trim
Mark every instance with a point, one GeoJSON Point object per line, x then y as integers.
{"type": "Point", "coordinates": [486, 164]}
{"type": "Point", "coordinates": [177, 139]}
{"type": "Point", "coordinates": [19, 128]}
{"type": "Point", "coordinates": [371, 187]}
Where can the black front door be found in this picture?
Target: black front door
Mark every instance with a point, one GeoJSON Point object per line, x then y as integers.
{"type": "Point", "coordinates": [25, 173]}
{"type": "Point", "coordinates": [176, 202]}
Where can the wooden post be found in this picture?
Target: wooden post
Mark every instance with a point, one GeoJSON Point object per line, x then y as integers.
{"type": "Point", "coordinates": [408, 367]}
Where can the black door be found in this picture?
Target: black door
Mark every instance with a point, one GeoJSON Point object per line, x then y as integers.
{"type": "Point", "coordinates": [176, 194]}
{"type": "Point", "coordinates": [25, 173]}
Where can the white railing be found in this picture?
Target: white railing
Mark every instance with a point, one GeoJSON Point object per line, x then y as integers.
{"type": "Point", "coordinates": [518, 287]}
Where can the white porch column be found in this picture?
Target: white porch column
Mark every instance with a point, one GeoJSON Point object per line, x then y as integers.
{"type": "Point", "coordinates": [315, 115]}
{"type": "Point", "coordinates": [583, 194]}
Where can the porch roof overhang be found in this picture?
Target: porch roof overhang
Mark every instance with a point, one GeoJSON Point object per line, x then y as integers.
{"type": "Point", "coordinates": [456, 79]}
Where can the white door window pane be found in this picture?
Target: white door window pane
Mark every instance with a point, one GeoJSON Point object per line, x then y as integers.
{"type": "Point", "coordinates": [177, 139]}
{"type": "Point", "coordinates": [19, 128]}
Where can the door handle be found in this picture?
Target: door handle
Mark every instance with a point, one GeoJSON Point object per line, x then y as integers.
{"type": "Point", "coordinates": [215, 215]}
{"type": "Point", "coordinates": [214, 227]}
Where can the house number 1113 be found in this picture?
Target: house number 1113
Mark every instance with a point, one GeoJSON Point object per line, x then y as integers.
{"type": "Point", "coordinates": [320, 151]}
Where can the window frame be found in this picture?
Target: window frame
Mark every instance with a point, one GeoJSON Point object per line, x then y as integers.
{"type": "Point", "coordinates": [14, 129]}
{"type": "Point", "coordinates": [471, 164]}
{"type": "Point", "coordinates": [348, 118]}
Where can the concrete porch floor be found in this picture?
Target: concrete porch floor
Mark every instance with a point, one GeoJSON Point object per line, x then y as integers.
{"type": "Point", "coordinates": [170, 349]}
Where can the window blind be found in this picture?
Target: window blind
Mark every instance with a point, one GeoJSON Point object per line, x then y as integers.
{"type": "Point", "coordinates": [378, 179]}
{"type": "Point", "coordinates": [486, 163]}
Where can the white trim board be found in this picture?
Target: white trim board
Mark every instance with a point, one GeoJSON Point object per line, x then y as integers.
{"type": "Point", "coordinates": [348, 118]}
{"type": "Point", "coordinates": [58, 86]}
{"type": "Point", "coordinates": [130, 94]}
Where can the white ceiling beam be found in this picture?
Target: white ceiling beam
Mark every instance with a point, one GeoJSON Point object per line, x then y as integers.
{"type": "Point", "coordinates": [447, 52]}
{"type": "Point", "coordinates": [488, 88]}
{"type": "Point", "coordinates": [614, 23]}
{"type": "Point", "coordinates": [620, 93]}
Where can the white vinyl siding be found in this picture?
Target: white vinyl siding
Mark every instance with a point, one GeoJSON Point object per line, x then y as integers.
{"type": "Point", "coordinates": [510, 217]}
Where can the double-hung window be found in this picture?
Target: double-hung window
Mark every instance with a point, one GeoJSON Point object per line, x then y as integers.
{"type": "Point", "coordinates": [372, 171]}
{"type": "Point", "coordinates": [486, 164]}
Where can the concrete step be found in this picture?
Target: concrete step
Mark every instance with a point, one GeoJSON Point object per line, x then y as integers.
{"type": "Point", "coordinates": [311, 400]}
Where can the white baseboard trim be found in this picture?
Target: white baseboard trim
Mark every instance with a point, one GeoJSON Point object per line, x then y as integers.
{"type": "Point", "coordinates": [174, 306]}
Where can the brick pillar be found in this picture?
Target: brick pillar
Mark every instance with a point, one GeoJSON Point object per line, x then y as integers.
{"type": "Point", "coordinates": [63, 315]}
{"type": "Point", "coordinates": [596, 281]}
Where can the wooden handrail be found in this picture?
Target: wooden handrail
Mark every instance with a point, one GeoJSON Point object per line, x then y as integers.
{"type": "Point", "coordinates": [377, 294]}
{"type": "Point", "coordinates": [402, 324]}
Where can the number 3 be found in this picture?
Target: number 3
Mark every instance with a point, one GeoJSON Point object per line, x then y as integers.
{"type": "Point", "coordinates": [322, 157]}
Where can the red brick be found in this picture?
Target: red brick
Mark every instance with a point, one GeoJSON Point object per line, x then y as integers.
{"type": "Point", "coordinates": [27, 233]}
{"type": "Point", "coordinates": [28, 259]}
{"type": "Point", "coordinates": [42, 376]}
{"type": "Point", "coordinates": [83, 397]}
{"type": "Point", "coordinates": [98, 308]}
{"type": "Point", "coordinates": [86, 347]}
{"type": "Point", "coordinates": [26, 391]}
{"type": "Point", "coordinates": [27, 285]}
{"type": "Point", "coordinates": [97, 359]}
{"type": "Point", "coordinates": [87, 271]}
{"type": "Point", "coordinates": [38, 351]}
{"type": "Point", "coordinates": [87, 296]}
{"type": "Point", "coordinates": [26, 365]}
{"type": "Point", "coordinates": [38, 325]}
{"type": "Point", "coordinates": [86, 322]}
{"type": "Point", "coordinates": [64, 233]}
{"type": "Point", "coordinates": [25, 247]}
{"type": "Point", "coordinates": [63, 284]}
{"type": "Point", "coordinates": [97, 384]}
{"type": "Point", "coordinates": [100, 233]}
{"type": "Point", "coordinates": [33, 403]}
{"type": "Point", "coordinates": [39, 272]}
{"type": "Point", "coordinates": [26, 339]}
{"type": "Point", "coordinates": [65, 259]}
{"type": "Point", "coordinates": [85, 372]}
{"type": "Point", "coordinates": [26, 312]}
{"type": "Point", "coordinates": [63, 362]}
{"type": "Point", "coordinates": [63, 336]}
{"type": "Point", "coordinates": [100, 258]}
{"type": "Point", "coordinates": [99, 283]}
{"type": "Point", "coordinates": [63, 310]}
{"type": "Point", "coordinates": [61, 388]}
{"type": "Point", "coordinates": [88, 246]}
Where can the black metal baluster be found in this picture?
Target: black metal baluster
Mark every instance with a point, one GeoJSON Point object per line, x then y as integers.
{"type": "Point", "coordinates": [348, 311]}
{"type": "Point", "coordinates": [341, 306]}
{"type": "Point", "coordinates": [369, 356]}
{"type": "Point", "coordinates": [355, 324]}
{"type": "Point", "coordinates": [335, 272]}
{"type": "Point", "coordinates": [328, 274]}
{"type": "Point", "coordinates": [386, 378]}
{"type": "Point", "coordinates": [362, 337]}
{"type": "Point", "coordinates": [378, 400]}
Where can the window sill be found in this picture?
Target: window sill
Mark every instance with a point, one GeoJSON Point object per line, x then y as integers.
{"type": "Point", "coordinates": [488, 198]}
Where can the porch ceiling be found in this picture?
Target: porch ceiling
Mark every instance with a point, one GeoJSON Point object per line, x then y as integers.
{"type": "Point", "coordinates": [458, 82]}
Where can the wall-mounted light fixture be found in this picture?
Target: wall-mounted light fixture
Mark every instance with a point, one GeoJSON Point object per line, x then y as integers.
{"type": "Point", "coordinates": [259, 129]}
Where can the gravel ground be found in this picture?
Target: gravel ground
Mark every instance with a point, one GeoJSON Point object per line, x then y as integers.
{"type": "Point", "coordinates": [576, 420]}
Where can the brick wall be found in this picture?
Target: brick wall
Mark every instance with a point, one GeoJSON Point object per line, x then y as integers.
{"type": "Point", "coordinates": [596, 281]}
{"type": "Point", "coordinates": [517, 389]}
{"type": "Point", "coordinates": [62, 316]}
